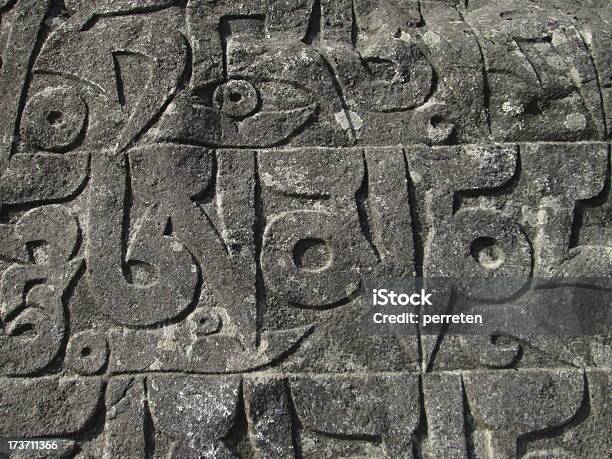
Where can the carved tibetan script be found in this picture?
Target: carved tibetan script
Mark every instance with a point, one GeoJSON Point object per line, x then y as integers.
{"type": "Point", "coordinates": [192, 193]}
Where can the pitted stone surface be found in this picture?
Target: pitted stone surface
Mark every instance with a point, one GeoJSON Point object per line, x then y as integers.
{"type": "Point", "coordinates": [192, 193]}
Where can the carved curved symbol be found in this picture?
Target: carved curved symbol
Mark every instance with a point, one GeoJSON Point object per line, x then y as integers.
{"type": "Point", "coordinates": [250, 120]}
{"type": "Point", "coordinates": [172, 275]}
{"type": "Point", "coordinates": [28, 177]}
{"type": "Point", "coordinates": [177, 348]}
{"type": "Point", "coordinates": [166, 51]}
{"type": "Point", "coordinates": [54, 119]}
{"type": "Point", "coordinates": [390, 78]}
{"type": "Point", "coordinates": [32, 314]}
{"type": "Point", "coordinates": [87, 352]}
{"type": "Point", "coordinates": [303, 257]}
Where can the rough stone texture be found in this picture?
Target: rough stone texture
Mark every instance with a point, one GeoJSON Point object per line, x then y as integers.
{"type": "Point", "coordinates": [192, 191]}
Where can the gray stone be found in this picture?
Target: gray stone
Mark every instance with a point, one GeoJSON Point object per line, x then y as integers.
{"type": "Point", "coordinates": [48, 406]}
{"type": "Point", "coordinates": [125, 434]}
{"type": "Point", "coordinates": [269, 415]}
{"type": "Point", "coordinates": [381, 409]}
{"type": "Point", "coordinates": [444, 407]}
{"type": "Point", "coordinates": [193, 414]}
{"type": "Point", "coordinates": [194, 195]}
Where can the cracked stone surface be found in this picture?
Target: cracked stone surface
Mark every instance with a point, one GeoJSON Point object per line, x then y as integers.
{"type": "Point", "coordinates": [192, 193]}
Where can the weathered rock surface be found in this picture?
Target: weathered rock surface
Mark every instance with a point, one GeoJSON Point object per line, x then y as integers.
{"type": "Point", "coordinates": [192, 193]}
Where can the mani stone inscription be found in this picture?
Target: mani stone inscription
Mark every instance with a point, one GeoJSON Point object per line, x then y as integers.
{"type": "Point", "coordinates": [192, 193]}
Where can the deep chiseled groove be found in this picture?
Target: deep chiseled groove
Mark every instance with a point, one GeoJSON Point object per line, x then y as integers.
{"type": "Point", "coordinates": [313, 30]}
{"type": "Point", "coordinates": [340, 93]}
{"type": "Point", "coordinates": [362, 198]}
{"type": "Point", "coordinates": [420, 434]}
{"type": "Point", "coordinates": [485, 78]}
{"type": "Point", "coordinates": [354, 25]}
{"type": "Point", "coordinates": [126, 224]}
{"type": "Point", "coordinates": [442, 335]}
{"type": "Point", "coordinates": [296, 424]}
{"type": "Point", "coordinates": [468, 423]}
{"type": "Point", "coordinates": [94, 427]}
{"type": "Point", "coordinates": [418, 244]}
{"type": "Point", "coordinates": [148, 426]}
{"type": "Point", "coordinates": [237, 439]}
{"type": "Point", "coordinates": [259, 224]}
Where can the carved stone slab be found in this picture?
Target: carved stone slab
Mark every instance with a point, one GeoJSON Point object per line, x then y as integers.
{"type": "Point", "coordinates": [192, 193]}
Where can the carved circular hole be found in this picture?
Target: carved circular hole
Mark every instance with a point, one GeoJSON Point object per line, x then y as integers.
{"type": "Point", "coordinates": [487, 252]}
{"type": "Point", "coordinates": [235, 96]}
{"type": "Point", "coordinates": [311, 254]}
{"type": "Point", "coordinates": [436, 121]}
{"type": "Point", "coordinates": [507, 15]}
{"type": "Point", "coordinates": [86, 351]}
{"type": "Point", "coordinates": [55, 118]}
{"type": "Point", "coordinates": [140, 273]}
{"type": "Point", "coordinates": [207, 323]}
{"type": "Point", "coordinates": [532, 108]}
{"type": "Point", "coordinates": [26, 330]}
